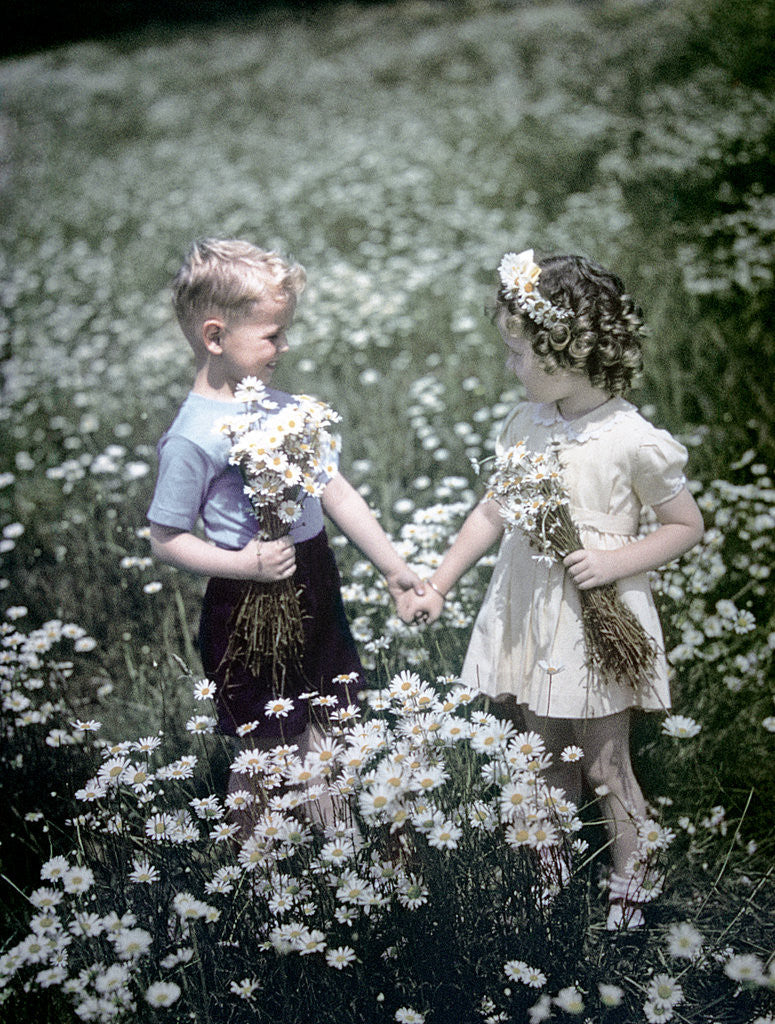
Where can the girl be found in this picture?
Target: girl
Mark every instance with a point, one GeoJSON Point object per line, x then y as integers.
{"type": "Point", "coordinates": [574, 341]}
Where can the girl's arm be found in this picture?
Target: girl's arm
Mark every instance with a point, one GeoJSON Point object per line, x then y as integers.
{"type": "Point", "coordinates": [263, 561]}
{"type": "Point", "coordinates": [345, 506]}
{"type": "Point", "coordinates": [681, 527]}
{"type": "Point", "coordinates": [482, 528]}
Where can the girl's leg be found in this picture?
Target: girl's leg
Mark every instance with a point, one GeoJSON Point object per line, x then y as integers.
{"type": "Point", "coordinates": [557, 734]}
{"type": "Point", "coordinates": [607, 766]}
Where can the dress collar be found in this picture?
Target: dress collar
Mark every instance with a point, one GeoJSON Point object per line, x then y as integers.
{"type": "Point", "coordinates": [581, 428]}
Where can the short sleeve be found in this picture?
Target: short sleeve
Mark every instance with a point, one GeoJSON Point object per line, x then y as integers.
{"type": "Point", "coordinates": [328, 459]}
{"type": "Point", "coordinates": [659, 470]}
{"type": "Point", "coordinates": [184, 476]}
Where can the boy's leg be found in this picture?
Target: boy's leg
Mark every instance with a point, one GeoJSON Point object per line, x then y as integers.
{"type": "Point", "coordinates": [321, 810]}
{"type": "Point", "coordinates": [248, 814]}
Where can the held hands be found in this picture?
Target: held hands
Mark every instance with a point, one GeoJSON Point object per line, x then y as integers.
{"type": "Point", "coordinates": [403, 582]}
{"type": "Point", "coordinates": [417, 609]}
{"type": "Point", "coordinates": [590, 568]}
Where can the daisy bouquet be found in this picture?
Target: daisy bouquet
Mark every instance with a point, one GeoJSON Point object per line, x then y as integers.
{"type": "Point", "coordinates": [285, 454]}
{"type": "Point", "coordinates": [529, 488]}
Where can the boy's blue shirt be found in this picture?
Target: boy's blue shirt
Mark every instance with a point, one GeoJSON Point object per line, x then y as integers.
{"type": "Point", "coordinates": [196, 481]}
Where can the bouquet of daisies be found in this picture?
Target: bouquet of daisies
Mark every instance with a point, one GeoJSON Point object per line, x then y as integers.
{"type": "Point", "coordinates": [528, 486]}
{"type": "Point", "coordinates": [285, 454]}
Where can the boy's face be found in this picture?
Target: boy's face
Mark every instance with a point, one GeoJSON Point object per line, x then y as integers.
{"type": "Point", "coordinates": [252, 345]}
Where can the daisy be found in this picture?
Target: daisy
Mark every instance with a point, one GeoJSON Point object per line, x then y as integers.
{"type": "Point", "coordinates": [50, 976]}
{"type": "Point", "coordinates": [245, 988]}
{"type": "Point", "coordinates": [207, 807]}
{"type": "Point", "coordinates": [571, 754]}
{"type": "Point", "coordinates": [652, 836]}
{"type": "Point", "coordinates": [654, 1011]}
{"type": "Point", "coordinates": [683, 940]}
{"type": "Point", "coordinates": [680, 727]}
{"type": "Point", "coordinates": [159, 826]}
{"type": "Point", "coordinates": [407, 1015]}
{"type": "Point", "coordinates": [91, 725]}
{"type": "Point", "coordinates": [569, 999]}
{"type": "Point", "coordinates": [746, 968]}
{"type": "Point", "coordinates": [430, 777]}
{"type": "Point", "coordinates": [45, 898]}
{"type": "Point", "coordinates": [47, 921]}
{"type": "Point", "coordinates": [313, 941]}
{"type": "Point", "coordinates": [132, 943]}
{"type": "Point", "coordinates": [87, 924]}
{"type": "Point", "coordinates": [610, 995]}
{"type": "Point", "coordinates": [444, 836]}
{"type": "Point", "coordinates": [337, 851]}
{"type": "Point", "coordinates": [278, 708]}
{"type": "Point", "coordinates": [147, 744]}
{"type": "Point", "coordinates": [664, 989]}
{"type": "Point", "coordinates": [413, 894]}
{"type": "Point", "coordinates": [543, 835]}
{"type": "Point", "coordinates": [91, 791]}
{"type": "Point", "coordinates": [248, 727]}
{"type": "Point", "coordinates": [78, 880]}
{"type": "Point", "coordinates": [513, 799]}
{"type": "Point", "coordinates": [251, 762]}
{"type": "Point", "coordinates": [138, 777]}
{"type": "Point", "coordinates": [340, 957]}
{"type": "Point", "coordinates": [201, 724]}
{"type": "Point", "coordinates": [54, 869]}
{"type": "Point", "coordinates": [143, 872]}
{"type": "Point", "coordinates": [224, 831]}
{"type": "Point", "coordinates": [162, 993]}
{"type": "Point", "coordinates": [239, 799]}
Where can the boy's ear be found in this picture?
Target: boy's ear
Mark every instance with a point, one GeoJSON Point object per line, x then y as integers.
{"type": "Point", "coordinates": [212, 332]}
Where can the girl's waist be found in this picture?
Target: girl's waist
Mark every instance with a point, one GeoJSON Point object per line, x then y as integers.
{"type": "Point", "coordinates": [624, 524]}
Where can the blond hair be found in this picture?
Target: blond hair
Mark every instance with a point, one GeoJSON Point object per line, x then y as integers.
{"type": "Point", "coordinates": [225, 277]}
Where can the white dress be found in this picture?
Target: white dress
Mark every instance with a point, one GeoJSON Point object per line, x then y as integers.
{"type": "Point", "coordinates": [614, 463]}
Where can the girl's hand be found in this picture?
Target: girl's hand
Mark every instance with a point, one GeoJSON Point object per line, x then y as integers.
{"type": "Point", "coordinates": [416, 610]}
{"type": "Point", "coordinates": [590, 567]}
{"type": "Point", "coordinates": [268, 561]}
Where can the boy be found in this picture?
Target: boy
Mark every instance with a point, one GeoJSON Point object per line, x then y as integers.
{"type": "Point", "coordinates": [235, 304]}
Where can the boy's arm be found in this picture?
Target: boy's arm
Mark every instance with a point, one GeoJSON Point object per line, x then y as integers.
{"type": "Point", "coordinates": [482, 528]}
{"type": "Point", "coordinates": [345, 506]}
{"type": "Point", "coordinates": [681, 527]}
{"type": "Point", "coordinates": [263, 561]}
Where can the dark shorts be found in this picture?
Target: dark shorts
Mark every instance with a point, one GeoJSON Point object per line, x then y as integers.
{"type": "Point", "coordinates": [329, 648]}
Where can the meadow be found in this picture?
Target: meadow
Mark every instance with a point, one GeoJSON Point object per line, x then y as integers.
{"type": "Point", "coordinates": [396, 151]}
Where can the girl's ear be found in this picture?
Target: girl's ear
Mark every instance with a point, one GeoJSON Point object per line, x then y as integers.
{"type": "Point", "coordinates": [212, 332]}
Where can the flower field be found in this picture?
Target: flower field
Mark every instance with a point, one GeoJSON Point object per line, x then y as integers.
{"type": "Point", "coordinates": [397, 151]}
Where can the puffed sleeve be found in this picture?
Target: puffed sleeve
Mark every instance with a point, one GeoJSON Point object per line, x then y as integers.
{"type": "Point", "coordinates": [659, 470]}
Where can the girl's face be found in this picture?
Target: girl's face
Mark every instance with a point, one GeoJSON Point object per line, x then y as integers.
{"type": "Point", "coordinates": [540, 386]}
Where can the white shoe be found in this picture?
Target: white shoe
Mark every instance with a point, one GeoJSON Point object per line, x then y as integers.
{"type": "Point", "coordinates": [624, 917]}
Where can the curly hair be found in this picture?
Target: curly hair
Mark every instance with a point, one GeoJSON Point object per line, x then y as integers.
{"type": "Point", "coordinates": [604, 337]}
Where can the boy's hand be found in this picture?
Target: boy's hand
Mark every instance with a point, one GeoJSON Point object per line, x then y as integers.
{"type": "Point", "coordinates": [418, 610]}
{"type": "Point", "coordinates": [267, 561]}
{"type": "Point", "coordinates": [403, 581]}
